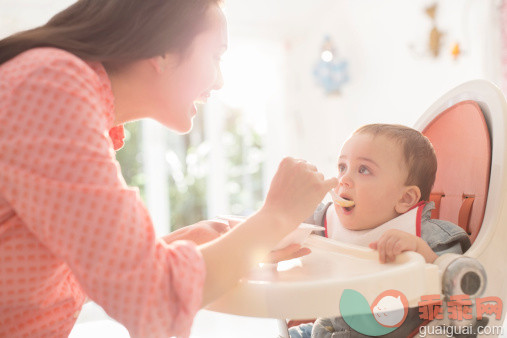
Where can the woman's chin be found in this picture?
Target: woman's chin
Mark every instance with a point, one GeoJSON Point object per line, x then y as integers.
{"type": "Point", "coordinates": [184, 128]}
{"type": "Point", "coordinates": [182, 125]}
{"type": "Point", "coordinates": [186, 125]}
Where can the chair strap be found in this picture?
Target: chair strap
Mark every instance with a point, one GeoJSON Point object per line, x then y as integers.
{"type": "Point", "coordinates": [436, 197]}
{"type": "Point", "coordinates": [464, 213]}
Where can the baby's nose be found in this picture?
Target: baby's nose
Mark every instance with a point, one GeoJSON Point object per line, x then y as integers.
{"type": "Point", "coordinates": [345, 180]}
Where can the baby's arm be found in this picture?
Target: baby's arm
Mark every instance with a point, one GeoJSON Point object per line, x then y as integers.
{"type": "Point", "coordinates": [393, 242]}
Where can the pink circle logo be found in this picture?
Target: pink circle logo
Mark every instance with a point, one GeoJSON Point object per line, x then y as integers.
{"type": "Point", "coordinates": [390, 308]}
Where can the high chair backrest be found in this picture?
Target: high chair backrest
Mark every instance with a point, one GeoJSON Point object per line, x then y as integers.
{"type": "Point", "coordinates": [489, 247]}
{"type": "Point", "coordinates": [462, 144]}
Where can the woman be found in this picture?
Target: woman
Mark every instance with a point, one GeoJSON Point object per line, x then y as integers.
{"type": "Point", "coordinates": [70, 227]}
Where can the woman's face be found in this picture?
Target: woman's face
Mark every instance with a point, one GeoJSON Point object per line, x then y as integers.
{"type": "Point", "coordinates": [192, 76]}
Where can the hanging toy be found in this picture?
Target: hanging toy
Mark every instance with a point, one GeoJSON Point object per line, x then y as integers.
{"type": "Point", "coordinates": [330, 72]}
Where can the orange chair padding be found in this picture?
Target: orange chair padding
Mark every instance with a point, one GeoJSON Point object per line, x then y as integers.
{"type": "Point", "coordinates": [436, 197]}
{"type": "Point", "coordinates": [464, 213]}
{"type": "Point", "coordinates": [463, 147]}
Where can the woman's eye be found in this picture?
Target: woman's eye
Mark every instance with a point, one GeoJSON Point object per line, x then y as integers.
{"type": "Point", "coordinates": [364, 170]}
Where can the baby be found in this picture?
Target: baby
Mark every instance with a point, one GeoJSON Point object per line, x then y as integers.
{"type": "Point", "coordinates": [387, 171]}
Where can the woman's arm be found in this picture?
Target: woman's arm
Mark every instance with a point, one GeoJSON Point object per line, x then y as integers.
{"type": "Point", "coordinates": [295, 191]}
{"type": "Point", "coordinates": [90, 231]}
{"type": "Point", "coordinates": [60, 176]}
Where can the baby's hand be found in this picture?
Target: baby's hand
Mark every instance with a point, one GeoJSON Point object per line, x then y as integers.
{"type": "Point", "coordinates": [392, 243]}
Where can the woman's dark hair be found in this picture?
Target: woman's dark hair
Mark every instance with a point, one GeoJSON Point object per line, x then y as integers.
{"type": "Point", "coordinates": [116, 32]}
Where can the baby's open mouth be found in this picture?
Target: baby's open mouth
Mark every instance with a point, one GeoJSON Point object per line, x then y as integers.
{"type": "Point", "coordinates": [343, 202]}
{"type": "Point", "coordinates": [347, 204]}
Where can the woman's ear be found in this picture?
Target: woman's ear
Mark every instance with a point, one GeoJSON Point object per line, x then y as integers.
{"type": "Point", "coordinates": [411, 196]}
{"type": "Point", "coordinates": [160, 63]}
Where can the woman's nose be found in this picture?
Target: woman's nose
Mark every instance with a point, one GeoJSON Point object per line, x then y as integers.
{"type": "Point", "coordinates": [219, 81]}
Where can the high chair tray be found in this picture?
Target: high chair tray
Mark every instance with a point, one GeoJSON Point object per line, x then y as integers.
{"type": "Point", "coordinates": [311, 286]}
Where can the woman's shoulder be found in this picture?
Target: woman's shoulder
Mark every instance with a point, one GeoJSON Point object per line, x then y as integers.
{"type": "Point", "coordinates": [47, 62]}
{"type": "Point", "coordinates": [55, 80]}
{"type": "Point", "coordinates": [47, 56]}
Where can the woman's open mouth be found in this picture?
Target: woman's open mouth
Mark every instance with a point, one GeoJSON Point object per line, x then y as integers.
{"type": "Point", "coordinates": [203, 98]}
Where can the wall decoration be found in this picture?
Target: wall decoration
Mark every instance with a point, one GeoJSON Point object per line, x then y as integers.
{"type": "Point", "coordinates": [452, 41]}
{"type": "Point", "coordinates": [455, 51]}
{"type": "Point", "coordinates": [435, 38]}
{"type": "Point", "coordinates": [330, 72]}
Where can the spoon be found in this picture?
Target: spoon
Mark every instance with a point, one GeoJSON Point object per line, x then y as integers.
{"type": "Point", "coordinates": [340, 201]}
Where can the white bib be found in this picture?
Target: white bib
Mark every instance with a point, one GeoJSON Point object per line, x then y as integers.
{"type": "Point", "coordinates": [409, 222]}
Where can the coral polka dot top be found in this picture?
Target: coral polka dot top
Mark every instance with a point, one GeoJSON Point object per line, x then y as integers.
{"type": "Point", "coordinates": [70, 228]}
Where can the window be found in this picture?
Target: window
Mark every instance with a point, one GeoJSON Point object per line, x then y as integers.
{"type": "Point", "coordinates": [224, 165]}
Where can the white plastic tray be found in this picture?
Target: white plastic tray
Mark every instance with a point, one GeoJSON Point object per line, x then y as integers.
{"type": "Point", "coordinates": [311, 286]}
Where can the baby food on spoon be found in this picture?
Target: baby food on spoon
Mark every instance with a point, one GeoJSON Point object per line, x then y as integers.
{"type": "Point", "coordinates": [341, 201]}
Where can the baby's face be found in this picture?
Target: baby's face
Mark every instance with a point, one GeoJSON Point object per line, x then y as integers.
{"type": "Point", "coordinates": [372, 173]}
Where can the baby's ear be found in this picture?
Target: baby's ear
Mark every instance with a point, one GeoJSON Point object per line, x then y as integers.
{"type": "Point", "coordinates": [410, 197]}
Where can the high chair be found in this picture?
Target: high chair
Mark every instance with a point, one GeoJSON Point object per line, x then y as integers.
{"type": "Point", "coordinates": [467, 127]}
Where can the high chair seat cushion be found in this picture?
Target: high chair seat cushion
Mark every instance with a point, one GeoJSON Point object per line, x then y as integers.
{"type": "Point", "coordinates": [462, 144]}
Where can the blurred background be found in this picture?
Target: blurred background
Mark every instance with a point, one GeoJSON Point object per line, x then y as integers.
{"type": "Point", "coordinates": [300, 76]}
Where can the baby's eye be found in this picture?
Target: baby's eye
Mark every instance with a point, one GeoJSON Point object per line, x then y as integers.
{"type": "Point", "coordinates": [364, 170]}
{"type": "Point", "coordinates": [341, 168]}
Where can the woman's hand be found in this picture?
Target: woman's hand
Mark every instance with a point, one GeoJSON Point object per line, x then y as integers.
{"type": "Point", "coordinates": [393, 242]}
{"type": "Point", "coordinates": [200, 232]}
{"type": "Point", "coordinates": [289, 252]}
{"type": "Point", "coordinates": [295, 191]}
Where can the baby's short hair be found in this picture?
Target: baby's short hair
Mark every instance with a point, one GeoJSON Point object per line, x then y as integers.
{"type": "Point", "coordinates": [418, 153]}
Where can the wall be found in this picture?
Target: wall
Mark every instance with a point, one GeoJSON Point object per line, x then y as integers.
{"type": "Point", "coordinates": [393, 79]}
{"type": "Point", "coordinates": [17, 15]}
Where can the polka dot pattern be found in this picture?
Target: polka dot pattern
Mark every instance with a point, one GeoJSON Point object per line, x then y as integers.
{"type": "Point", "coordinates": [70, 228]}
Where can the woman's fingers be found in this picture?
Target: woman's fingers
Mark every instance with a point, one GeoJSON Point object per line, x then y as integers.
{"type": "Point", "coordinates": [233, 223]}
{"type": "Point", "coordinates": [289, 252]}
{"type": "Point", "coordinates": [296, 190]}
{"type": "Point", "coordinates": [330, 183]}
{"type": "Point", "coordinates": [219, 227]}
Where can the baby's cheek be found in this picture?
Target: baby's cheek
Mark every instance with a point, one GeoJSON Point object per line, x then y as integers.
{"type": "Point", "coordinates": [337, 209]}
